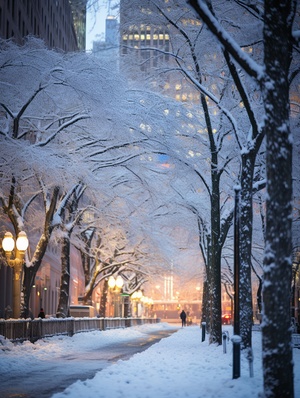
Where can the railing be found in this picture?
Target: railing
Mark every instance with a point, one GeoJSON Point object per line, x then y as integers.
{"type": "Point", "coordinates": [27, 329]}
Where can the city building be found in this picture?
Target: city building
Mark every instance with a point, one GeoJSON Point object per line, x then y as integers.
{"type": "Point", "coordinates": [149, 45]}
{"type": "Point", "coordinates": [108, 49]}
{"type": "Point", "coordinates": [61, 24]}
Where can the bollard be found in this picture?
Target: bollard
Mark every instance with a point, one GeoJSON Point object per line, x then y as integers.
{"type": "Point", "coordinates": [224, 336]}
{"type": "Point", "coordinates": [236, 368]}
{"type": "Point", "coordinates": [250, 360]}
{"type": "Point", "coordinates": [203, 331]}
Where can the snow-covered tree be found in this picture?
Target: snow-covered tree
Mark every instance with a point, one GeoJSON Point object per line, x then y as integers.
{"type": "Point", "coordinates": [218, 83]}
{"type": "Point", "coordinates": [74, 123]}
{"type": "Point", "coordinates": [273, 79]}
{"type": "Point", "coordinates": [36, 129]}
{"type": "Point", "coordinates": [70, 216]}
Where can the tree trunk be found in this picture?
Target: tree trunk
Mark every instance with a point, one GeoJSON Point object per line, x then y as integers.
{"type": "Point", "coordinates": [68, 216]}
{"type": "Point", "coordinates": [205, 303]}
{"type": "Point", "coordinates": [246, 210]}
{"type": "Point", "coordinates": [63, 304]}
{"type": "Point", "coordinates": [87, 298]}
{"type": "Point", "coordinates": [245, 249]}
{"type": "Point", "coordinates": [29, 273]}
{"type": "Point", "coordinates": [276, 326]}
{"type": "Point", "coordinates": [87, 238]}
{"type": "Point", "coordinates": [215, 263]}
{"type": "Point", "coordinates": [103, 301]}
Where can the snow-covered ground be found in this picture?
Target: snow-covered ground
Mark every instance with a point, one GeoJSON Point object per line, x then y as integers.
{"type": "Point", "coordinates": [178, 366]}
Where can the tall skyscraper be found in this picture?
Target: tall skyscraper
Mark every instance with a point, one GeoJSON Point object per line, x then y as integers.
{"type": "Point", "coordinates": [146, 49]}
{"type": "Point", "coordinates": [109, 48]}
{"type": "Point", "coordinates": [61, 24]}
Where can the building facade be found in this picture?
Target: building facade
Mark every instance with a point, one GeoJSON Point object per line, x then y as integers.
{"type": "Point", "coordinates": [61, 24]}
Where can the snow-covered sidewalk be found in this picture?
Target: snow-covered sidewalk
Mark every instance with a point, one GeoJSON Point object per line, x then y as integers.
{"type": "Point", "coordinates": [178, 366]}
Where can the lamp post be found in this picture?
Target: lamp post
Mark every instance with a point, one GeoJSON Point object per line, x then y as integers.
{"type": "Point", "coordinates": [116, 284]}
{"type": "Point", "coordinates": [15, 260]}
{"type": "Point", "coordinates": [136, 297]}
{"type": "Point", "coordinates": [236, 339]}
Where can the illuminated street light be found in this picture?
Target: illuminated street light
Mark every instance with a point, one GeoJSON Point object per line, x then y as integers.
{"type": "Point", "coordinates": [236, 339]}
{"type": "Point", "coordinates": [15, 260]}
{"type": "Point", "coordinates": [136, 297]}
{"type": "Point", "coordinates": [116, 284]}
{"type": "Point", "coordinates": [111, 282]}
{"type": "Point", "coordinates": [119, 282]}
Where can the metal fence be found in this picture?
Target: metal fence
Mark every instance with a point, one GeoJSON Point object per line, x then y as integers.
{"type": "Point", "coordinates": [32, 330]}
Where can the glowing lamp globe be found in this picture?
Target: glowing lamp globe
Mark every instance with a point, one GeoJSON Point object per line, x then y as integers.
{"type": "Point", "coordinates": [134, 296]}
{"type": "Point", "coordinates": [111, 282]}
{"type": "Point", "coordinates": [119, 281]}
{"type": "Point", "coordinates": [8, 242]}
{"type": "Point", "coordinates": [22, 242]}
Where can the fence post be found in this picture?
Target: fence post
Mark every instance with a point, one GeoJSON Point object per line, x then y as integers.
{"type": "Point", "coordinates": [236, 368]}
{"type": "Point", "coordinates": [203, 331]}
{"type": "Point", "coordinates": [71, 328]}
{"type": "Point", "coordinates": [236, 339]}
{"type": "Point", "coordinates": [224, 336]}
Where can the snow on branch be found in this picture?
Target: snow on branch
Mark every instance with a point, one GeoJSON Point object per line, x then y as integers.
{"type": "Point", "coordinates": [70, 122]}
{"type": "Point", "coordinates": [246, 62]}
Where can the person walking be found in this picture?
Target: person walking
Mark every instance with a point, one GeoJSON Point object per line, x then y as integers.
{"type": "Point", "coordinates": [41, 314]}
{"type": "Point", "coordinates": [183, 318]}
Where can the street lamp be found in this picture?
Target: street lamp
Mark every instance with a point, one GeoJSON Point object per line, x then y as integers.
{"type": "Point", "coordinates": [236, 339]}
{"type": "Point", "coordinates": [15, 260]}
{"type": "Point", "coordinates": [116, 284]}
{"type": "Point", "coordinates": [136, 297]}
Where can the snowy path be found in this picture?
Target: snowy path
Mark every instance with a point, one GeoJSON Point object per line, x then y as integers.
{"type": "Point", "coordinates": [180, 366]}
{"type": "Point", "coordinates": [46, 374]}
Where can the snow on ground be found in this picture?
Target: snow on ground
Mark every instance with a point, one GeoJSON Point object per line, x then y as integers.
{"type": "Point", "coordinates": [181, 366]}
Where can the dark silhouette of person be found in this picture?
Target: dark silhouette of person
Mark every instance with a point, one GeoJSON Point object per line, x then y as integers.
{"type": "Point", "coordinates": [183, 318]}
{"type": "Point", "coordinates": [41, 314]}
{"type": "Point", "coordinates": [8, 312]}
